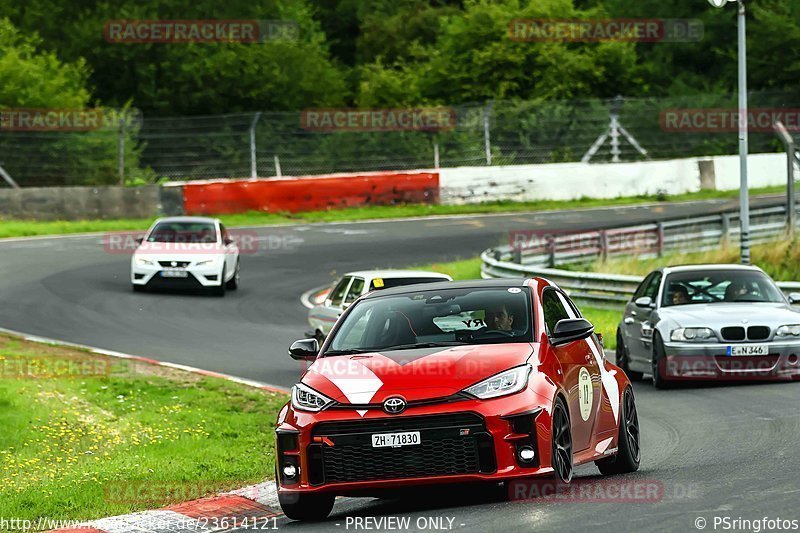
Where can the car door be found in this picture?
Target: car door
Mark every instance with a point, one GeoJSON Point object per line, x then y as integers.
{"type": "Point", "coordinates": [589, 390]}
{"type": "Point", "coordinates": [230, 250]}
{"type": "Point", "coordinates": [576, 363]}
{"type": "Point", "coordinates": [629, 333]}
{"type": "Point", "coordinates": [640, 321]}
{"type": "Point", "coordinates": [329, 312]}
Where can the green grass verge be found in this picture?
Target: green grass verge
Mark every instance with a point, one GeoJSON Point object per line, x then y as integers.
{"type": "Point", "coordinates": [83, 444]}
{"type": "Point", "coordinates": [605, 320]}
{"type": "Point", "coordinates": [23, 228]}
{"type": "Point", "coordinates": [779, 259]}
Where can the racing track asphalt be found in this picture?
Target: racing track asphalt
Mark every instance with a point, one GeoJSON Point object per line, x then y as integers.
{"type": "Point", "coordinates": [725, 451]}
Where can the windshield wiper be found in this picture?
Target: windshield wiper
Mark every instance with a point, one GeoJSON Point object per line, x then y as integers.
{"type": "Point", "coordinates": [347, 352]}
{"type": "Point", "coordinates": [442, 344]}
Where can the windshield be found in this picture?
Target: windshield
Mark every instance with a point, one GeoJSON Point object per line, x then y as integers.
{"type": "Point", "coordinates": [183, 232]}
{"type": "Point", "coordinates": [435, 318]}
{"type": "Point", "coordinates": [719, 286]}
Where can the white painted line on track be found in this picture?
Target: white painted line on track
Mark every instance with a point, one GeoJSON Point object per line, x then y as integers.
{"type": "Point", "coordinates": [121, 355]}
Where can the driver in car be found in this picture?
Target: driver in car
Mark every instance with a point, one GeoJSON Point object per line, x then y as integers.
{"type": "Point", "coordinates": [499, 318]}
{"type": "Point", "coordinates": [679, 295]}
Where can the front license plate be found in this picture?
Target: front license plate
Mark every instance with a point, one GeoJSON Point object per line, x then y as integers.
{"type": "Point", "coordinates": [395, 440]}
{"type": "Point", "coordinates": [174, 274]}
{"type": "Point", "coordinates": [749, 349]}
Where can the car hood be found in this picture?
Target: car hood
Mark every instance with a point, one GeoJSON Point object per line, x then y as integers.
{"type": "Point", "coordinates": [727, 314]}
{"type": "Point", "coordinates": [416, 374]}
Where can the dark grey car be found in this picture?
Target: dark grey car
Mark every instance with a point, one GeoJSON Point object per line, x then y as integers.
{"type": "Point", "coordinates": [709, 322]}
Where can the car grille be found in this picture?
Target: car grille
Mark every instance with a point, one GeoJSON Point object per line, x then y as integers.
{"type": "Point", "coordinates": [757, 333]}
{"type": "Point", "coordinates": [733, 333]}
{"type": "Point", "coordinates": [737, 333]}
{"type": "Point", "coordinates": [451, 445]}
{"type": "Point", "coordinates": [178, 264]}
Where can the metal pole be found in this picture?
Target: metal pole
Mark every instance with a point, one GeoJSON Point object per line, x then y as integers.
{"type": "Point", "coordinates": [435, 155]}
{"type": "Point", "coordinates": [744, 207]}
{"type": "Point", "coordinates": [486, 138]}
{"type": "Point", "coordinates": [788, 143]}
{"type": "Point", "coordinates": [8, 178]}
{"type": "Point", "coordinates": [122, 151]}
{"type": "Point", "coordinates": [253, 168]}
{"type": "Point", "coordinates": [277, 166]}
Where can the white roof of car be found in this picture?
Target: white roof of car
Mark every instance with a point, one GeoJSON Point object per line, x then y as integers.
{"type": "Point", "coordinates": [187, 219]}
{"type": "Point", "coordinates": [389, 274]}
{"type": "Point", "coordinates": [720, 266]}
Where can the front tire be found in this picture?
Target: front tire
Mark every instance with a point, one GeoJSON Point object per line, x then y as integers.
{"type": "Point", "coordinates": [658, 364]}
{"type": "Point", "coordinates": [233, 284]}
{"type": "Point", "coordinates": [561, 458]}
{"type": "Point", "coordinates": [138, 288]}
{"type": "Point", "coordinates": [306, 507]}
{"type": "Point", "coordinates": [220, 290]}
{"type": "Point", "coordinates": [629, 451]}
{"type": "Point", "coordinates": [623, 359]}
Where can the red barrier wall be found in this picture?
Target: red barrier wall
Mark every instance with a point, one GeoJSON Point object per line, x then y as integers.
{"type": "Point", "coordinates": [310, 193]}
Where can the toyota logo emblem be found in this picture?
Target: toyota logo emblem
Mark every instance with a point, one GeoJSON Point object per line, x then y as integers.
{"type": "Point", "coordinates": [394, 406]}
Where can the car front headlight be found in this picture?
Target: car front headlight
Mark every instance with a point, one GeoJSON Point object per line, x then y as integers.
{"type": "Point", "coordinates": [141, 261]}
{"type": "Point", "coordinates": [692, 334]}
{"type": "Point", "coordinates": [791, 330]}
{"type": "Point", "coordinates": [307, 399]}
{"type": "Point", "coordinates": [502, 384]}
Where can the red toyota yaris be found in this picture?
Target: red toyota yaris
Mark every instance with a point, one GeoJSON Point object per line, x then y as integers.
{"type": "Point", "coordinates": [485, 380]}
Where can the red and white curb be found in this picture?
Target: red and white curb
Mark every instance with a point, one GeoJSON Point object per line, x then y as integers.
{"type": "Point", "coordinates": [253, 507]}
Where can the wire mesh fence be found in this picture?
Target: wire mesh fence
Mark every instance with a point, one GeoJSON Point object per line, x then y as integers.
{"type": "Point", "coordinates": [146, 149]}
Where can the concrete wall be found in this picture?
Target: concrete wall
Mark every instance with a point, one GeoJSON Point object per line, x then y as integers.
{"type": "Point", "coordinates": [74, 203]}
{"type": "Point", "coordinates": [559, 181]}
{"type": "Point", "coordinates": [569, 181]}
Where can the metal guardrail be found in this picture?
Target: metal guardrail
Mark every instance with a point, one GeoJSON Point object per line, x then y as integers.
{"type": "Point", "coordinates": [536, 253]}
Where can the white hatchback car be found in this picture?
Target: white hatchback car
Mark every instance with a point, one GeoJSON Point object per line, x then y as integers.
{"type": "Point", "coordinates": [353, 284]}
{"type": "Point", "coordinates": [186, 252]}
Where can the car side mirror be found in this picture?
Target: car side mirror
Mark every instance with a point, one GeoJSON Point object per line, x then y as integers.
{"type": "Point", "coordinates": [571, 329]}
{"type": "Point", "coordinates": [229, 241]}
{"type": "Point", "coordinates": [794, 297]}
{"type": "Point", "coordinates": [304, 349]}
{"type": "Point", "coordinates": [643, 301]}
{"type": "Point", "coordinates": [139, 240]}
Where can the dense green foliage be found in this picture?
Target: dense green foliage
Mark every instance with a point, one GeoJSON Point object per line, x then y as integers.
{"type": "Point", "coordinates": [547, 101]}
{"type": "Point", "coordinates": [383, 53]}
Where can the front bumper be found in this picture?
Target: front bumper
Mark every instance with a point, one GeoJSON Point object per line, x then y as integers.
{"type": "Point", "coordinates": [685, 360]}
{"type": "Point", "coordinates": [196, 276]}
{"type": "Point", "coordinates": [464, 441]}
